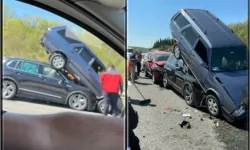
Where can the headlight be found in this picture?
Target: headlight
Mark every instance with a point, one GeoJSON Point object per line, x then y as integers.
{"type": "Point", "coordinates": [242, 108]}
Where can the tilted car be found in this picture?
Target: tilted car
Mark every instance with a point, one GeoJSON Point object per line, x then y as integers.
{"type": "Point", "coordinates": [67, 51]}
{"type": "Point", "coordinates": [154, 64]}
{"type": "Point", "coordinates": [217, 58]}
{"type": "Point", "coordinates": [177, 75]}
{"type": "Point", "coordinates": [36, 80]}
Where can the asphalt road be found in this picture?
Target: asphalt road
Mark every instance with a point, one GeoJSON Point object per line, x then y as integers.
{"type": "Point", "coordinates": [159, 128]}
{"type": "Point", "coordinates": [35, 107]}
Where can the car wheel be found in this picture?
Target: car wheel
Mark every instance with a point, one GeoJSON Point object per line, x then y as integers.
{"type": "Point", "coordinates": [153, 78]}
{"type": "Point", "coordinates": [188, 95]}
{"type": "Point", "coordinates": [165, 80]}
{"type": "Point", "coordinates": [177, 52]}
{"type": "Point", "coordinates": [58, 61]}
{"type": "Point", "coordinates": [146, 73]}
{"type": "Point", "coordinates": [78, 101]}
{"type": "Point", "coordinates": [100, 107]}
{"type": "Point", "coordinates": [213, 106]}
{"type": "Point", "coordinates": [9, 89]}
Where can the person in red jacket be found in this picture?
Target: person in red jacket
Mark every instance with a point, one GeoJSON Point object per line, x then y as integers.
{"type": "Point", "coordinates": [112, 83]}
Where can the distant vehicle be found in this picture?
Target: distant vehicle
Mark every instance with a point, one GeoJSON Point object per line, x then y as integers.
{"type": "Point", "coordinates": [217, 58]}
{"type": "Point", "coordinates": [130, 50]}
{"type": "Point", "coordinates": [177, 75]}
{"type": "Point", "coordinates": [154, 64]}
{"type": "Point", "coordinates": [36, 80]}
{"type": "Point", "coordinates": [67, 51]}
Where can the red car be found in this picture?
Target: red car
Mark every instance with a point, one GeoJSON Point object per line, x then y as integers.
{"type": "Point", "coordinates": [154, 64]}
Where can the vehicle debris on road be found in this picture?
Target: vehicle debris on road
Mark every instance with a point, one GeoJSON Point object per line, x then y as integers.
{"type": "Point", "coordinates": [185, 124]}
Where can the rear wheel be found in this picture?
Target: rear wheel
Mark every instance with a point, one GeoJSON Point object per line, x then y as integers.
{"type": "Point", "coordinates": [57, 61]}
{"type": "Point", "coordinates": [188, 95]}
{"type": "Point", "coordinates": [154, 78]}
{"type": "Point", "coordinates": [146, 73]}
{"type": "Point", "coordinates": [100, 107]}
{"type": "Point", "coordinates": [9, 89]}
{"type": "Point", "coordinates": [213, 105]}
{"type": "Point", "coordinates": [177, 52]}
{"type": "Point", "coordinates": [165, 80]}
{"type": "Point", "coordinates": [78, 101]}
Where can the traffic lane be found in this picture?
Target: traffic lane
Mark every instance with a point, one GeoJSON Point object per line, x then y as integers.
{"type": "Point", "coordinates": [35, 107]}
{"type": "Point", "coordinates": [159, 128]}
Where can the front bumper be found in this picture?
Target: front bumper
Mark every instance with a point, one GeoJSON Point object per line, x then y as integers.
{"type": "Point", "coordinates": [232, 117]}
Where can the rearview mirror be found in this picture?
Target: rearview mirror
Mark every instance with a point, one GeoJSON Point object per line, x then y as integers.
{"type": "Point", "coordinates": [204, 65]}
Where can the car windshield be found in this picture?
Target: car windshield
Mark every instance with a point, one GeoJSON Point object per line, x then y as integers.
{"type": "Point", "coordinates": [229, 59]}
{"type": "Point", "coordinates": [89, 58]}
{"type": "Point", "coordinates": [161, 57]}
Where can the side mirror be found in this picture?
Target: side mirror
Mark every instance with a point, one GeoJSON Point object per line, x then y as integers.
{"type": "Point", "coordinates": [204, 65]}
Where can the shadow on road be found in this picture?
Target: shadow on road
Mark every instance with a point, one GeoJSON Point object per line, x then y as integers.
{"type": "Point", "coordinates": [137, 102]}
{"type": "Point", "coordinates": [140, 83]}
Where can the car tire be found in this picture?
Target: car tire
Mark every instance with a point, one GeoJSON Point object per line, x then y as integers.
{"type": "Point", "coordinates": [146, 73]}
{"type": "Point", "coordinates": [188, 95]}
{"type": "Point", "coordinates": [100, 107]}
{"type": "Point", "coordinates": [177, 52]}
{"type": "Point", "coordinates": [165, 80]}
{"type": "Point", "coordinates": [79, 101]}
{"type": "Point", "coordinates": [153, 78]}
{"type": "Point", "coordinates": [57, 61]}
{"type": "Point", "coordinates": [213, 105]}
{"type": "Point", "coordinates": [9, 89]}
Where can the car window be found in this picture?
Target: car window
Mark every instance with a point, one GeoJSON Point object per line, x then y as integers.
{"type": "Point", "coordinates": [69, 37]}
{"type": "Point", "coordinates": [190, 36]}
{"type": "Point", "coordinates": [181, 21]}
{"type": "Point", "coordinates": [201, 51]}
{"type": "Point", "coordinates": [84, 53]}
{"type": "Point", "coordinates": [169, 59]}
{"type": "Point", "coordinates": [51, 73]}
{"type": "Point", "coordinates": [160, 57]}
{"type": "Point", "coordinates": [29, 67]}
{"type": "Point", "coordinates": [229, 59]}
{"type": "Point", "coordinates": [12, 64]}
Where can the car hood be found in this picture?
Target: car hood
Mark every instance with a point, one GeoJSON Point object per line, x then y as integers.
{"type": "Point", "coordinates": [160, 63]}
{"type": "Point", "coordinates": [235, 83]}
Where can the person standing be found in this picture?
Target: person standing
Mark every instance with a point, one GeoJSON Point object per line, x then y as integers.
{"type": "Point", "coordinates": [138, 58]}
{"type": "Point", "coordinates": [112, 83]}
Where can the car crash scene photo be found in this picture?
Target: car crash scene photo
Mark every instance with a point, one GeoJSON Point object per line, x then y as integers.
{"type": "Point", "coordinates": [188, 74]}
{"type": "Point", "coordinates": [63, 75]}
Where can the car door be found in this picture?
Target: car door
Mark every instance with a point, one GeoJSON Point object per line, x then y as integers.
{"type": "Point", "coordinates": [171, 69]}
{"type": "Point", "coordinates": [147, 61]}
{"type": "Point", "coordinates": [28, 78]}
{"type": "Point", "coordinates": [55, 86]}
{"type": "Point", "coordinates": [179, 74]}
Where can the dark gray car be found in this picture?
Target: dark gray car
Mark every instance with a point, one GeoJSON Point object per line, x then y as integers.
{"type": "Point", "coordinates": [36, 80]}
{"type": "Point", "coordinates": [67, 51]}
{"type": "Point", "coordinates": [217, 58]}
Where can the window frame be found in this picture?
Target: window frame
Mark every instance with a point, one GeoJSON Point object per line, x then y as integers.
{"type": "Point", "coordinates": [8, 64]}
{"type": "Point", "coordinates": [180, 14]}
{"type": "Point", "coordinates": [197, 35]}
{"type": "Point", "coordinates": [207, 50]}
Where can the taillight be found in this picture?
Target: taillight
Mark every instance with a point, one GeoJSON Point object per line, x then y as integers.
{"type": "Point", "coordinates": [45, 34]}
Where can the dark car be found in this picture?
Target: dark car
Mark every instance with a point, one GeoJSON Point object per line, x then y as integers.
{"type": "Point", "coordinates": [67, 51]}
{"type": "Point", "coordinates": [36, 80]}
{"type": "Point", "coordinates": [154, 64]}
{"type": "Point", "coordinates": [217, 58]}
{"type": "Point", "coordinates": [177, 75]}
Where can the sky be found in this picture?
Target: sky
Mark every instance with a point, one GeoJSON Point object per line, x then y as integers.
{"type": "Point", "coordinates": [148, 20]}
{"type": "Point", "coordinates": [24, 10]}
